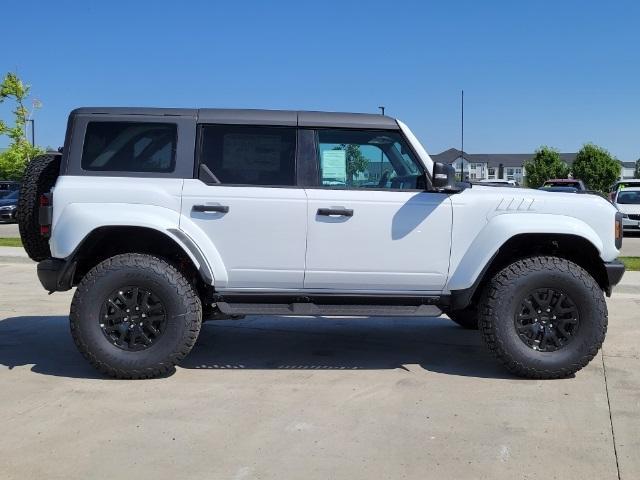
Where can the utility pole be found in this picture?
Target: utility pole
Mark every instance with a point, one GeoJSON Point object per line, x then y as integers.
{"type": "Point", "coordinates": [462, 138]}
{"type": "Point", "coordinates": [33, 131]}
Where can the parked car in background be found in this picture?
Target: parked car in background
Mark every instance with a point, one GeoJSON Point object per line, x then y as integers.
{"type": "Point", "coordinates": [619, 185]}
{"type": "Point", "coordinates": [628, 202]}
{"type": "Point", "coordinates": [8, 206]}
{"type": "Point", "coordinates": [564, 182]}
{"type": "Point", "coordinates": [8, 186]}
{"type": "Point", "coordinates": [560, 189]}
{"type": "Point", "coordinates": [499, 183]}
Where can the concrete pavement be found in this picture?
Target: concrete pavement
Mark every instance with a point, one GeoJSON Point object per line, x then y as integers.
{"type": "Point", "coordinates": [630, 245]}
{"type": "Point", "coordinates": [315, 398]}
{"type": "Point", "coordinates": [9, 230]}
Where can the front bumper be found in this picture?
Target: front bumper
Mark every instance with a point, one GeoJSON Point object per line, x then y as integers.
{"type": "Point", "coordinates": [630, 224]}
{"type": "Point", "coordinates": [615, 270]}
{"type": "Point", "coordinates": [56, 274]}
{"type": "Point", "coordinates": [8, 215]}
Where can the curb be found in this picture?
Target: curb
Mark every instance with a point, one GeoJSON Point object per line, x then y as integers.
{"type": "Point", "coordinates": [15, 259]}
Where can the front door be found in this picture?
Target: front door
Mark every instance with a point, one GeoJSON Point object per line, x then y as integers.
{"type": "Point", "coordinates": [245, 203]}
{"type": "Point", "coordinates": [370, 225]}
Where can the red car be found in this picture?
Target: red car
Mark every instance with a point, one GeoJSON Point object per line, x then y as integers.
{"type": "Point", "coordinates": [565, 182]}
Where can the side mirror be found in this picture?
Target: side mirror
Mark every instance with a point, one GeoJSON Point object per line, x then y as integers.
{"type": "Point", "coordinates": [444, 177]}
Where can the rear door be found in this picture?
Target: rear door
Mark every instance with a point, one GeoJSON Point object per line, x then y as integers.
{"type": "Point", "coordinates": [372, 225]}
{"type": "Point", "coordinates": [246, 202]}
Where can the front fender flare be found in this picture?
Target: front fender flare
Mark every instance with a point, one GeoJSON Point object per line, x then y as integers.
{"type": "Point", "coordinates": [499, 230]}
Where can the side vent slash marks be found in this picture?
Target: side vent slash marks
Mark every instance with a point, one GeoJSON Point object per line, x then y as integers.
{"type": "Point", "coordinates": [510, 204]}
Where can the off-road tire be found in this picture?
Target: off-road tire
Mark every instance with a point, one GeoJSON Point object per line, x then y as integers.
{"type": "Point", "coordinates": [39, 177]}
{"type": "Point", "coordinates": [467, 318]}
{"type": "Point", "coordinates": [500, 300]}
{"type": "Point", "coordinates": [183, 314]}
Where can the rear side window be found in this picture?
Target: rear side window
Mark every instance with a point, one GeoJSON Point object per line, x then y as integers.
{"type": "Point", "coordinates": [249, 155]}
{"type": "Point", "coordinates": [129, 147]}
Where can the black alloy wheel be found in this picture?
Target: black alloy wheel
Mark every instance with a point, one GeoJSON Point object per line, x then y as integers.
{"type": "Point", "coordinates": [547, 319]}
{"type": "Point", "coordinates": [133, 318]}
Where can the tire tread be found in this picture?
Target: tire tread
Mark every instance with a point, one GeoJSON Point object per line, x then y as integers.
{"type": "Point", "coordinates": [521, 268]}
{"type": "Point", "coordinates": [183, 289]}
{"type": "Point", "coordinates": [39, 177]}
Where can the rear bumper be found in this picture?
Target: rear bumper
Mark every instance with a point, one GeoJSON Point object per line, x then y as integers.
{"type": "Point", "coordinates": [615, 270]}
{"type": "Point", "coordinates": [56, 274]}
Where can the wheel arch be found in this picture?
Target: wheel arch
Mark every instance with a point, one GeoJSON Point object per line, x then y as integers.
{"type": "Point", "coordinates": [171, 244]}
{"type": "Point", "coordinates": [572, 247]}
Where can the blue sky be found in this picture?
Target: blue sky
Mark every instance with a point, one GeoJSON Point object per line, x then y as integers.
{"type": "Point", "coordinates": [559, 73]}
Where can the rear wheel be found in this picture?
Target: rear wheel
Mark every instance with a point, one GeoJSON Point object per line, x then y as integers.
{"type": "Point", "coordinates": [39, 177]}
{"type": "Point", "coordinates": [135, 316]}
{"type": "Point", "coordinates": [543, 317]}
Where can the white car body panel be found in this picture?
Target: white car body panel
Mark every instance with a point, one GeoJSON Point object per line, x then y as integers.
{"type": "Point", "coordinates": [83, 204]}
{"type": "Point", "coordinates": [484, 218]}
{"type": "Point", "coordinates": [259, 243]}
{"type": "Point", "coordinates": [395, 241]}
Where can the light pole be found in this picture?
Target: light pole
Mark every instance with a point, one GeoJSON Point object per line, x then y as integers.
{"type": "Point", "coordinates": [33, 131]}
{"type": "Point", "coordinates": [381, 110]}
{"type": "Point", "coordinates": [36, 104]}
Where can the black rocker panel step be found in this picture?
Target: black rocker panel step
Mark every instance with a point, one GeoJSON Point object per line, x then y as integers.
{"type": "Point", "coordinates": [317, 310]}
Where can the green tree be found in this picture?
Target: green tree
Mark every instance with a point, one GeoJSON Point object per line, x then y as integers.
{"type": "Point", "coordinates": [356, 161]}
{"type": "Point", "coordinates": [596, 167]}
{"type": "Point", "coordinates": [545, 164]}
{"type": "Point", "coordinates": [14, 160]}
{"type": "Point", "coordinates": [636, 174]}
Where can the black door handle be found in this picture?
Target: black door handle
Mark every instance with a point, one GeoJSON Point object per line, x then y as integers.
{"type": "Point", "coordinates": [211, 208]}
{"type": "Point", "coordinates": [342, 212]}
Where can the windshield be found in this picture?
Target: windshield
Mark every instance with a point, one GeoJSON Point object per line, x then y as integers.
{"type": "Point", "coordinates": [628, 197]}
{"type": "Point", "coordinates": [9, 195]}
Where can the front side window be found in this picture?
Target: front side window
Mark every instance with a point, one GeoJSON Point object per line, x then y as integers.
{"type": "Point", "coordinates": [129, 147]}
{"type": "Point", "coordinates": [366, 159]}
{"type": "Point", "coordinates": [249, 155]}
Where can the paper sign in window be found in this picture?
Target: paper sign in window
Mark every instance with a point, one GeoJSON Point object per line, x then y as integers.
{"type": "Point", "coordinates": [334, 165]}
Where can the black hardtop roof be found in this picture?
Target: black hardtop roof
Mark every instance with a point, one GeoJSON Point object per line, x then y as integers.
{"type": "Point", "coordinates": [256, 117]}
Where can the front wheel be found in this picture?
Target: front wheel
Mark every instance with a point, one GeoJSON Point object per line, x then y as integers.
{"type": "Point", "coordinates": [543, 317]}
{"type": "Point", "coordinates": [135, 316]}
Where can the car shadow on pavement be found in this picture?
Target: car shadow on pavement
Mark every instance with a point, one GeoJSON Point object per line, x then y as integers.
{"type": "Point", "coordinates": [290, 343]}
{"type": "Point", "coordinates": [44, 342]}
{"type": "Point", "coordinates": [284, 343]}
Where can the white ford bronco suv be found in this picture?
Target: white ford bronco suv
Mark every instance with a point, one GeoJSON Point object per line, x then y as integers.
{"type": "Point", "coordinates": [163, 218]}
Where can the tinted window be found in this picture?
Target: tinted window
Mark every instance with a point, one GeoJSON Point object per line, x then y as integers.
{"type": "Point", "coordinates": [129, 147]}
{"type": "Point", "coordinates": [628, 197]}
{"type": "Point", "coordinates": [366, 159]}
{"type": "Point", "coordinates": [250, 155]}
